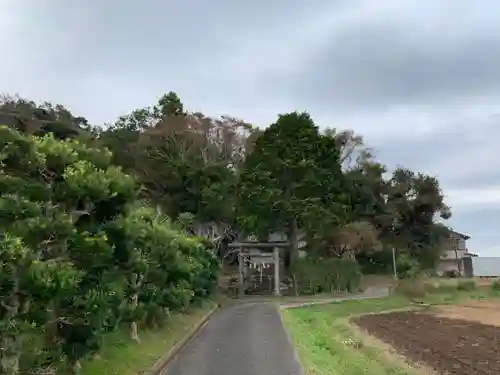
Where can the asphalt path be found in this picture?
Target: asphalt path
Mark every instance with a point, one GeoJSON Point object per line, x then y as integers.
{"type": "Point", "coordinates": [246, 339]}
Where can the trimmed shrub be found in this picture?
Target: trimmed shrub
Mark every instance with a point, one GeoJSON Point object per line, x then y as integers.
{"type": "Point", "coordinates": [407, 267]}
{"type": "Point", "coordinates": [466, 285]}
{"type": "Point", "coordinates": [495, 285]}
{"type": "Point", "coordinates": [440, 287]}
{"type": "Point", "coordinates": [315, 275]}
{"type": "Point", "coordinates": [412, 288]}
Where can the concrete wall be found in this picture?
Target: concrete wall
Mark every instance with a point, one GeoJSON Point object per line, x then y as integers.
{"type": "Point", "coordinates": [447, 265]}
{"type": "Point", "coordinates": [450, 254]}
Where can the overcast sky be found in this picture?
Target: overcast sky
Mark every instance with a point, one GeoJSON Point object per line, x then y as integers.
{"type": "Point", "coordinates": [419, 78]}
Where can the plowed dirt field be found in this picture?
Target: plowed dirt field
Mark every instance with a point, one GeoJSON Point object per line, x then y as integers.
{"type": "Point", "coordinates": [450, 346]}
{"type": "Point", "coordinates": [485, 312]}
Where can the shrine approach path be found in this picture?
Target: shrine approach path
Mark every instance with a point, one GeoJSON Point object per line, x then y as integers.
{"type": "Point", "coordinates": [247, 339]}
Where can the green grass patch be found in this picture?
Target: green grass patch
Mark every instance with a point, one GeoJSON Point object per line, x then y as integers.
{"type": "Point", "coordinates": [460, 295]}
{"type": "Point", "coordinates": [495, 285]}
{"type": "Point", "coordinates": [328, 345]}
{"type": "Point", "coordinates": [122, 356]}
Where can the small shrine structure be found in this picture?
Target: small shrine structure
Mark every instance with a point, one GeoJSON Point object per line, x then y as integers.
{"type": "Point", "coordinates": [258, 254]}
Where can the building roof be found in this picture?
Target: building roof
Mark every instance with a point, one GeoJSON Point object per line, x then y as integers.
{"type": "Point", "coordinates": [461, 235]}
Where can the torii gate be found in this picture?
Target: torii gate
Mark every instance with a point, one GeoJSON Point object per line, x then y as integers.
{"type": "Point", "coordinates": [266, 255]}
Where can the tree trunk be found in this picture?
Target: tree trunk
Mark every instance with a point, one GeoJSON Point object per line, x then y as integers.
{"type": "Point", "coordinates": [293, 237]}
{"type": "Point", "coordinates": [295, 285]}
{"type": "Point", "coordinates": [9, 354]}
{"type": "Point", "coordinates": [50, 335]}
{"type": "Point", "coordinates": [135, 285]}
{"type": "Point", "coordinates": [51, 326]}
{"type": "Point", "coordinates": [75, 367]}
{"type": "Point", "coordinates": [10, 342]}
{"type": "Point", "coordinates": [134, 335]}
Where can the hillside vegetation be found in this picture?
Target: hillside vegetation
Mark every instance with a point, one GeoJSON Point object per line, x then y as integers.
{"type": "Point", "coordinates": [105, 227]}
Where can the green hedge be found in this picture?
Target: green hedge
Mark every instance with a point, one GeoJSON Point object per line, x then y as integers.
{"type": "Point", "coordinates": [316, 275]}
{"type": "Point", "coordinates": [80, 256]}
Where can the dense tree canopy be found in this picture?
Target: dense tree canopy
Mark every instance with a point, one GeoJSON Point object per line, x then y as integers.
{"type": "Point", "coordinates": [234, 178]}
{"type": "Point", "coordinates": [80, 254]}
{"type": "Point", "coordinates": [292, 180]}
{"type": "Point", "coordinates": [118, 224]}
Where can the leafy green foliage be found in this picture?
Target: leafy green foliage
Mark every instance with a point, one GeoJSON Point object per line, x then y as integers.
{"type": "Point", "coordinates": [407, 267]}
{"type": "Point", "coordinates": [185, 161]}
{"type": "Point", "coordinates": [316, 275]}
{"type": "Point", "coordinates": [79, 254]}
{"type": "Point", "coordinates": [495, 285]}
{"type": "Point", "coordinates": [85, 252]}
{"type": "Point", "coordinates": [466, 285]}
{"type": "Point", "coordinates": [413, 202]}
{"type": "Point", "coordinates": [29, 117]}
{"type": "Point", "coordinates": [191, 163]}
{"type": "Point", "coordinates": [292, 173]}
{"type": "Point", "coordinates": [292, 180]}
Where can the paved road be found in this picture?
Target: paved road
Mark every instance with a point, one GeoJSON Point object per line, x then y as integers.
{"type": "Point", "coordinates": [245, 339]}
{"type": "Point", "coordinates": [370, 292]}
{"type": "Point", "coordinates": [239, 340]}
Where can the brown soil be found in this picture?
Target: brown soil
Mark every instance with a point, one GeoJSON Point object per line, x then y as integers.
{"type": "Point", "coordinates": [389, 353]}
{"type": "Point", "coordinates": [483, 304]}
{"type": "Point", "coordinates": [450, 346]}
{"type": "Point", "coordinates": [484, 315]}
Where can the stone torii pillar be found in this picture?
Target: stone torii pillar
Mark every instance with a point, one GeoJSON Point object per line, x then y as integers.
{"type": "Point", "coordinates": [277, 283]}
{"type": "Point", "coordinates": [241, 274]}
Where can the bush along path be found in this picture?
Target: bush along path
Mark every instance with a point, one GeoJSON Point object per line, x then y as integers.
{"type": "Point", "coordinates": [82, 257]}
{"type": "Point", "coordinates": [158, 346]}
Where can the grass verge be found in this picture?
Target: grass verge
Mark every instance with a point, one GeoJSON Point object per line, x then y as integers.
{"type": "Point", "coordinates": [122, 356]}
{"type": "Point", "coordinates": [327, 344]}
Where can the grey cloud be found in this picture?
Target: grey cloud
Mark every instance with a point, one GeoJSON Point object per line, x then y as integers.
{"type": "Point", "coordinates": [383, 61]}
{"type": "Point", "coordinates": [412, 75]}
{"type": "Point", "coordinates": [461, 155]}
{"type": "Point", "coordinates": [482, 226]}
{"type": "Point", "coordinates": [129, 36]}
{"type": "Point", "coordinates": [209, 52]}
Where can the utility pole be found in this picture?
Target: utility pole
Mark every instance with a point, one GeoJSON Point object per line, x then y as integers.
{"type": "Point", "coordinates": [394, 267]}
{"type": "Point", "coordinates": [394, 262]}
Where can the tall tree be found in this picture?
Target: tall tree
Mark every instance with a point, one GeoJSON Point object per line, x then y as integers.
{"type": "Point", "coordinates": [186, 161]}
{"type": "Point", "coordinates": [40, 119]}
{"type": "Point", "coordinates": [292, 180]}
{"type": "Point", "coordinates": [171, 105]}
{"type": "Point", "coordinates": [188, 165]}
{"type": "Point", "coordinates": [414, 201]}
{"type": "Point", "coordinates": [122, 136]}
{"type": "Point", "coordinates": [352, 148]}
{"type": "Point", "coordinates": [349, 240]}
